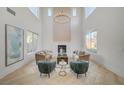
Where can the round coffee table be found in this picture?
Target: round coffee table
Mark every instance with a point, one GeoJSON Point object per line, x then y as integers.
{"type": "Point", "coordinates": [62, 71]}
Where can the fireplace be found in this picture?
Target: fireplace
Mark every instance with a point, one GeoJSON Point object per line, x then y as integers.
{"type": "Point", "coordinates": [61, 49]}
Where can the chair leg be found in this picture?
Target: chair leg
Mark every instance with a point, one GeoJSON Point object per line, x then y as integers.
{"type": "Point", "coordinates": [49, 75]}
{"type": "Point", "coordinates": [40, 74]}
{"type": "Point", "coordinates": [77, 76]}
{"type": "Point", "coordinates": [85, 74]}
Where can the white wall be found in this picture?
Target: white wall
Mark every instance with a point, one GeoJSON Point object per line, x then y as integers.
{"type": "Point", "coordinates": [109, 22]}
{"type": "Point", "coordinates": [25, 20]}
{"type": "Point", "coordinates": [76, 27]}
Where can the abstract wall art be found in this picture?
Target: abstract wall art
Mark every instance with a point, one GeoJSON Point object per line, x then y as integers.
{"type": "Point", "coordinates": [14, 45]}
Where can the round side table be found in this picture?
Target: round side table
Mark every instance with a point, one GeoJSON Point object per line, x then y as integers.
{"type": "Point", "coordinates": [62, 71]}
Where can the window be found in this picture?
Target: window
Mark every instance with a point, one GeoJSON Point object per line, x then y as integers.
{"type": "Point", "coordinates": [49, 12]}
{"type": "Point", "coordinates": [89, 11]}
{"type": "Point", "coordinates": [74, 12]}
{"type": "Point", "coordinates": [32, 41]}
{"type": "Point", "coordinates": [35, 11]}
{"type": "Point", "coordinates": [91, 41]}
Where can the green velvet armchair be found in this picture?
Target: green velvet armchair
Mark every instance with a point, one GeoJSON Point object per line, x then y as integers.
{"type": "Point", "coordinates": [46, 67]}
{"type": "Point", "coordinates": [79, 67]}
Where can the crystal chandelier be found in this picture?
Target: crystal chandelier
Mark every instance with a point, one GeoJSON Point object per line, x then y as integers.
{"type": "Point", "coordinates": [61, 17]}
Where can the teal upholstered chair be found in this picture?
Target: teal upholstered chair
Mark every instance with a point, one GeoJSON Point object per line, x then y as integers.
{"type": "Point", "coordinates": [79, 67]}
{"type": "Point", "coordinates": [46, 67]}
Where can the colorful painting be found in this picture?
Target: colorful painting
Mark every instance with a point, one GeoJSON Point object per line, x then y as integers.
{"type": "Point", "coordinates": [14, 44]}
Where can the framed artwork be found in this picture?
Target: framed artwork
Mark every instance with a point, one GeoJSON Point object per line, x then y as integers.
{"type": "Point", "coordinates": [14, 43]}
